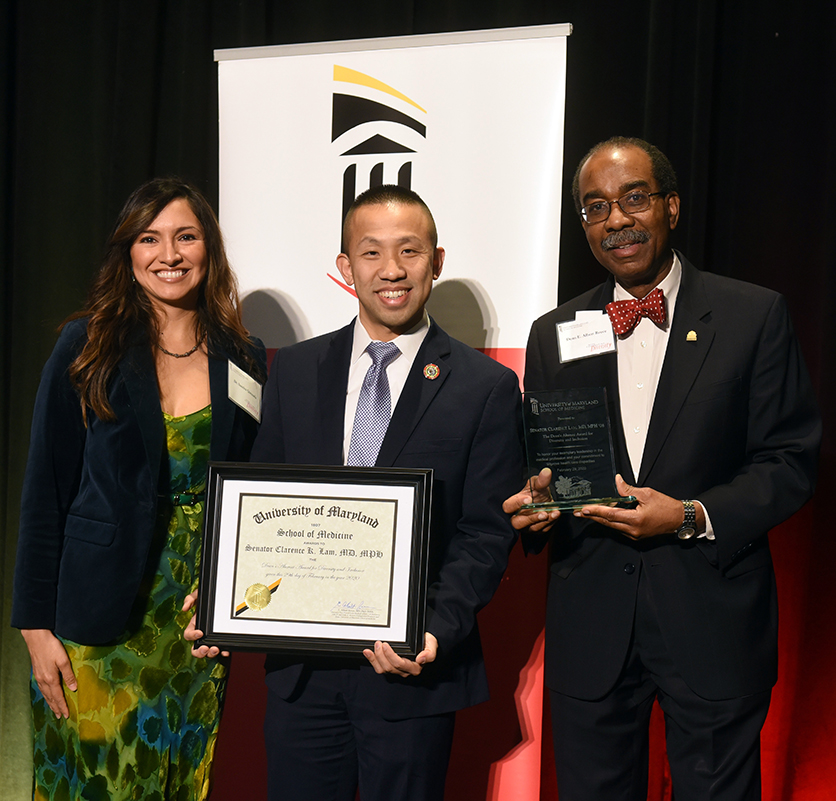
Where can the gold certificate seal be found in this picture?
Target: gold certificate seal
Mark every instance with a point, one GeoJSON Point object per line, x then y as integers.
{"type": "Point", "coordinates": [257, 596]}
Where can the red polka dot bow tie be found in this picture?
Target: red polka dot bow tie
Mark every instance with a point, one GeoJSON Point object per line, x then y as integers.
{"type": "Point", "coordinates": [625, 314]}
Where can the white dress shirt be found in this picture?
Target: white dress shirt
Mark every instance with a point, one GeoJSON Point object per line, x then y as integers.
{"type": "Point", "coordinates": [640, 358]}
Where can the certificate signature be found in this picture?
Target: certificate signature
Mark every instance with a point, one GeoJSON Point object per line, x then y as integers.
{"type": "Point", "coordinates": [354, 610]}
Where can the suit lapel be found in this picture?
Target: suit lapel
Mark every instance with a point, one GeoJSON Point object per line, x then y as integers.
{"type": "Point", "coordinates": [140, 377]}
{"type": "Point", "coordinates": [332, 380]}
{"type": "Point", "coordinates": [418, 393]}
{"type": "Point", "coordinates": [223, 409]}
{"type": "Point", "coordinates": [683, 360]}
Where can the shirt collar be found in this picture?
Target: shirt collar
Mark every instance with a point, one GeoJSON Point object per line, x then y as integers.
{"type": "Point", "coordinates": [669, 286]}
{"type": "Point", "coordinates": [408, 343]}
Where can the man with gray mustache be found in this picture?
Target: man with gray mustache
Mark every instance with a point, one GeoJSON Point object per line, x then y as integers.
{"type": "Point", "coordinates": [716, 434]}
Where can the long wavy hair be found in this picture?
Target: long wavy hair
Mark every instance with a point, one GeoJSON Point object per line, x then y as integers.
{"type": "Point", "coordinates": [119, 313]}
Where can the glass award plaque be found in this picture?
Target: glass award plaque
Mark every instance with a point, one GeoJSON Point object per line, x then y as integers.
{"type": "Point", "coordinates": [568, 431]}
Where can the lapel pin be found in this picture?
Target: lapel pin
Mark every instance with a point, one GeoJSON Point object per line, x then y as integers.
{"type": "Point", "coordinates": [692, 336]}
{"type": "Point", "coordinates": [431, 371]}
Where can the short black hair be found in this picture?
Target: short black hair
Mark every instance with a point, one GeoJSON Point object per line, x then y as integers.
{"type": "Point", "coordinates": [383, 195]}
{"type": "Point", "coordinates": [661, 167]}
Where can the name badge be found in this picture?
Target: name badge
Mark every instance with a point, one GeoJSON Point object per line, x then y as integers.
{"type": "Point", "coordinates": [244, 391]}
{"type": "Point", "coordinates": [589, 334]}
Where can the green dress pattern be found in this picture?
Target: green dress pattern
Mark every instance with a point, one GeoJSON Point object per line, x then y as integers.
{"type": "Point", "coordinates": [145, 717]}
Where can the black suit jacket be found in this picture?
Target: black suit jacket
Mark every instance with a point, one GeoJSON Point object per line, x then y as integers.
{"type": "Point", "coordinates": [735, 425]}
{"type": "Point", "coordinates": [89, 501]}
{"type": "Point", "coordinates": [465, 425]}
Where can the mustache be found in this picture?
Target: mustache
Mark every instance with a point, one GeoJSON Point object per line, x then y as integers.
{"type": "Point", "coordinates": [618, 239]}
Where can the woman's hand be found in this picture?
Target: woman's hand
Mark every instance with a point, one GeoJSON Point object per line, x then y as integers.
{"type": "Point", "coordinates": [51, 667]}
{"type": "Point", "coordinates": [191, 633]}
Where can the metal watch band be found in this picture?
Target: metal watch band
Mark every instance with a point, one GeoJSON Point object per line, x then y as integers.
{"type": "Point", "coordinates": [689, 524]}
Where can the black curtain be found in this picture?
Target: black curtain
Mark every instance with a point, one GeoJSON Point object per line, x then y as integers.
{"type": "Point", "coordinates": [99, 95]}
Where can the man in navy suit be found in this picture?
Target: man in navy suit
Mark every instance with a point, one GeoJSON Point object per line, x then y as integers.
{"type": "Point", "coordinates": [386, 722]}
{"type": "Point", "coordinates": [716, 434]}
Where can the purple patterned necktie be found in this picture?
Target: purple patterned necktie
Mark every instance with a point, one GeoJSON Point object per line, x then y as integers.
{"type": "Point", "coordinates": [374, 407]}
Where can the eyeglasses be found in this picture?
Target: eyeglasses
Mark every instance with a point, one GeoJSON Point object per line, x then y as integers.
{"type": "Point", "coordinates": [631, 203]}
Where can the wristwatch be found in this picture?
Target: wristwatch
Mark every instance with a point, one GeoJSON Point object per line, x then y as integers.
{"type": "Point", "coordinates": [689, 524]}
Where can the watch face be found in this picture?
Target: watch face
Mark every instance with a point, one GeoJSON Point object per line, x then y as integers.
{"type": "Point", "coordinates": [686, 532]}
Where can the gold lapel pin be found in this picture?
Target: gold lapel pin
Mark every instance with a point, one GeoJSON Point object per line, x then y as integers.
{"type": "Point", "coordinates": [692, 336]}
{"type": "Point", "coordinates": [431, 371]}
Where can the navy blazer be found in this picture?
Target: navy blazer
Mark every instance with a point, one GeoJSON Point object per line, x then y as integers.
{"type": "Point", "coordinates": [89, 502]}
{"type": "Point", "coordinates": [466, 425]}
{"type": "Point", "coordinates": [735, 425]}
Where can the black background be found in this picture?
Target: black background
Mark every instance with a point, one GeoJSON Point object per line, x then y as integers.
{"type": "Point", "coordinates": [96, 97]}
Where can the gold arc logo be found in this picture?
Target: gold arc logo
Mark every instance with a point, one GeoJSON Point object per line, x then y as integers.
{"type": "Point", "coordinates": [348, 75]}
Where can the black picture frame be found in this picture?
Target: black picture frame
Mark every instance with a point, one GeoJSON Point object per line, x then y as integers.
{"type": "Point", "coordinates": [344, 551]}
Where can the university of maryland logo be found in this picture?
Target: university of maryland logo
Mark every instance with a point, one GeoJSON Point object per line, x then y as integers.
{"type": "Point", "coordinates": [367, 120]}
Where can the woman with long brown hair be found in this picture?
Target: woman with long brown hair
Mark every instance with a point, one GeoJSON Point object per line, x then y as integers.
{"type": "Point", "coordinates": [132, 404]}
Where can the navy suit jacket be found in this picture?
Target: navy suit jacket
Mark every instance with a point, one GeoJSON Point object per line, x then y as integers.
{"type": "Point", "coordinates": [735, 425]}
{"type": "Point", "coordinates": [465, 425]}
{"type": "Point", "coordinates": [89, 502]}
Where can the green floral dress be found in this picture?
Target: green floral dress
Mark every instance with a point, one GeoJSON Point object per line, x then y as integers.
{"type": "Point", "coordinates": [144, 719]}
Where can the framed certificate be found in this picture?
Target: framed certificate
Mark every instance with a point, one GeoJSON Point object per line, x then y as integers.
{"type": "Point", "coordinates": [314, 560]}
